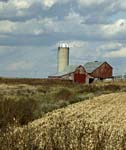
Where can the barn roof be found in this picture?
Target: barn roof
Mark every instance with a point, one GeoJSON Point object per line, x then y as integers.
{"type": "Point", "coordinates": [68, 69]}
{"type": "Point", "coordinates": [91, 66]}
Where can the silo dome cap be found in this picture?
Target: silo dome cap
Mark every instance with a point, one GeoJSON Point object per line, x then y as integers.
{"type": "Point", "coordinates": [64, 45]}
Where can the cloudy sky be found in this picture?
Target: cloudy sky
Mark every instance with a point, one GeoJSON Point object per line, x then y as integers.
{"type": "Point", "coordinates": [30, 31]}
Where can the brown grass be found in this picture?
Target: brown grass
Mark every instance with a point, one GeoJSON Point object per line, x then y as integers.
{"type": "Point", "coordinates": [26, 102]}
{"type": "Point", "coordinates": [97, 124]}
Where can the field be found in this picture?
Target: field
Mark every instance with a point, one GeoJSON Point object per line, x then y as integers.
{"type": "Point", "coordinates": [30, 117]}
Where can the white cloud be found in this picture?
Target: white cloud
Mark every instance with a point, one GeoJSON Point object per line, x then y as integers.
{"type": "Point", "coordinates": [109, 46]}
{"type": "Point", "coordinates": [35, 26]}
{"type": "Point", "coordinates": [91, 2]}
{"type": "Point", "coordinates": [117, 27]}
{"type": "Point", "coordinates": [90, 21]}
{"type": "Point", "coordinates": [49, 3]}
{"type": "Point", "coordinates": [20, 4]}
{"type": "Point", "coordinates": [116, 54]}
{"type": "Point", "coordinates": [24, 4]}
{"type": "Point", "coordinates": [74, 16]}
{"type": "Point", "coordinates": [6, 26]}
{"type": "Point", "coordinates": [111, 4]}
{"type": "Point", "coordinates": [14, 8]}
{"type": "Point", "coordinates": [77, 44]}
{"type": "Point", "coordinates": [11, 4]}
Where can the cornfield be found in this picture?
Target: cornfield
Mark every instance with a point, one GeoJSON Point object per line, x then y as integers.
{"type": "Point", "coordinates": [95, 124]}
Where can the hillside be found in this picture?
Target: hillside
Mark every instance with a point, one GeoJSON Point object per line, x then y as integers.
{"type": "Point", "coordinates": [99, 123]}
{"type": "Point", "coordinates": [27, 102]}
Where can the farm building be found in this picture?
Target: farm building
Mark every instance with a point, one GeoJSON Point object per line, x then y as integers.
{"type": "Point", "coordinates": [73, 72]}
{"type": "Point", "coordinates": [79, 73]}
{"type": "Point", "coordinates": [100, 70]}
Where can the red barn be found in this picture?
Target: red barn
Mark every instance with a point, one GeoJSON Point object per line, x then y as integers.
{"type": "Point", "coordinates": [72, 72]}
{"type": "Point", "coordinates": [100, 70]}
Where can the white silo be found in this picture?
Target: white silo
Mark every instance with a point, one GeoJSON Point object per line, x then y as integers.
{"type": "Point", "coordinates": [63, 56]}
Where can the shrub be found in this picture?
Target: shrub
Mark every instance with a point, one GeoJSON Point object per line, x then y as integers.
{"type": "Point", "coordinates": [22, 109]}
{"type": "Point", "coordinates": [64, 94]}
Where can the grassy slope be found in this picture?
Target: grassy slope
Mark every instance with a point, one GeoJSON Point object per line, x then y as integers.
{"type": "Point", "coordinates": [27, 102]}
{"type": "Point", "coordinates": [94, 124]}
{"type": "Point", "coordinates": [98, 123]}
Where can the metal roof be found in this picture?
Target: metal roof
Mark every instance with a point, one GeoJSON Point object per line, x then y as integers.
{"type": "Point", "coordinates": [91, 66]}
{"type": "Point", "coordinates": [68, 69]}
{"type": "Point", "coordinates": [64, 45]}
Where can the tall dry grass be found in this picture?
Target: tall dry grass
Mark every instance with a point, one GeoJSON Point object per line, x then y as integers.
{"type": "Point", "coordinates": [96, 124]}
{"type": "Point", "coordinates": [26, 102]}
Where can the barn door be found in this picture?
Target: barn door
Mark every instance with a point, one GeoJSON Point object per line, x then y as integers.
{"type": "Point", "coordinates": [79, 78]}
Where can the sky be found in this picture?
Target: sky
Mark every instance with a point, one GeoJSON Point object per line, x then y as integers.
{"type": "Point", "coordinates": [31, 30]}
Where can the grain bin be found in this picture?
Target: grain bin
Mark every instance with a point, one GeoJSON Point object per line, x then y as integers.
{"type": "Point", "coordinates": [63, 56]}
